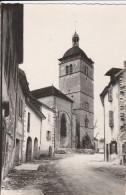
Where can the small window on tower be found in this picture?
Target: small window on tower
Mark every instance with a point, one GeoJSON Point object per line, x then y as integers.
{"type": "Point", "coordinates": [86, 122]}
{"type": "Point", "coordinates": [87, 71]}
{"type": "Point", "coordinates": [71, 69]}
{"type": "Point", "coordinates": [67, 70]}
{"type": "Point", "coordinates": [86, 105]}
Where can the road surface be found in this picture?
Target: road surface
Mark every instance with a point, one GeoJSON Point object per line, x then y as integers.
{"type": "Point", "coordinates": [72, 175]}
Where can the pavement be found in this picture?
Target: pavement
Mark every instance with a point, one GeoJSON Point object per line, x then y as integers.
{"type": "Point", "coordinates": [75, 174]}
{"type": "Point", "coordinates": [22, 192]}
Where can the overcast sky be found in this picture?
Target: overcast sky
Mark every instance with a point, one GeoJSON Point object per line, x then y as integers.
{"type": "Point", "coordinates": [48, 30]}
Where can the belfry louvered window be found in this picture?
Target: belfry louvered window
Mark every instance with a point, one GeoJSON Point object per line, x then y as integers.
{"type": "Point", "coordinates": [71, 69]}
{"type": "Point", "coordinates": [67, 69]}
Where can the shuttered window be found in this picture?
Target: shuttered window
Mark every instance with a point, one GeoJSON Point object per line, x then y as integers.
{"type": "Point", "coordinates": [111, 119]}
{"type": "Point", "coordinates": [110, 94]}
{"type": "Point", "coordinates": [21, 108]}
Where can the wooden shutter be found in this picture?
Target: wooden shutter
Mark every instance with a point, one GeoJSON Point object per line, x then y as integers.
{"type": "Point", "coordinates": [28, 127]}
{"type": "Point", "coordinates": [116, 147]}
{"type": "Point", "coordinates": [110, 146]}
{"type": "Point", "coordinates": [111, 119]}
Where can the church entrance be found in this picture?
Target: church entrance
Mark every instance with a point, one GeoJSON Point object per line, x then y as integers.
{"type": "Point", "coordinates": [86, 143]}
{"type": "Point", "coordinates": [63, 130]}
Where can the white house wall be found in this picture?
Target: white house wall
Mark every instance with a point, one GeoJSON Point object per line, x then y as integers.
{"type": "Point", "coordinates": [47, 125]}
{"type": "Point", "coordinates": [35, 126]}
{"type": "Point", "coordinates": [111, 134]}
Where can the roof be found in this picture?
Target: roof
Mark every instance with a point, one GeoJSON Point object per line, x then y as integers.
{"type": "Point", "coordinates": [38, 103]}
{"type": "Point", "coordinates": [49, 91]}
{"type": "Point", "coordinates": [23, 81]}
{"type": "Point", "coordinates": [113, 71]}
{"type": "Point", "coordinates": [32, 106]}
{"type": "Point", "coordinates": [75, 50]}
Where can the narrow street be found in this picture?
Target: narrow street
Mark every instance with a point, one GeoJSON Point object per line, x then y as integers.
{"type": "Point", "coordinates": [74, 174]}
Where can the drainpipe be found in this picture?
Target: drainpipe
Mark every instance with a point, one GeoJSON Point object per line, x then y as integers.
{"type": "Point", "coordinates": [104, 130]}
{"type": "Point", "coordinates": [71, 124]}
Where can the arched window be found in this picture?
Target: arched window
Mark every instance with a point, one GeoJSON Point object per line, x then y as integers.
{"type": "Point", "coordinates": [63, 131]}
{"type": "Point", "coordinates": [71, 69]}
{"type": "Point", "coordinates": [67, 70]}
{"type": "Point", "coordinates": [86, 122]}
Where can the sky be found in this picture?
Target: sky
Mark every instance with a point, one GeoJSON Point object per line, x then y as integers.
{"type": "Point", "coordinates": [48, 30]}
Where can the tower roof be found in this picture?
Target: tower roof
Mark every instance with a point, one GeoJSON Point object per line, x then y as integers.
{"type": "Point", "coordinates": [74, 50]}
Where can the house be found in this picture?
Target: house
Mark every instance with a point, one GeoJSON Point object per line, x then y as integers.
{"type": "Point", "coordinates": [11, 57]}
{"type": "Point", "coordinates": [22, 92]}
{"type": "Point", "coordinates": [30, 121]}
{"type": "Point", "coordinates": [113, 101]}
{"type": "Point", "coordinates": [122, 114]}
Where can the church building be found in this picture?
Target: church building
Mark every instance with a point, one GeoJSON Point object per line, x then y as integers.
{"type": "Point", "coordinates": [73, 103]}
{"type": "Point", "coordinates": [76, 80]}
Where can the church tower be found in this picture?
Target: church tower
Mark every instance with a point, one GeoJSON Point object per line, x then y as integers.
{"type": "Point", "coordinates": [76, 80]}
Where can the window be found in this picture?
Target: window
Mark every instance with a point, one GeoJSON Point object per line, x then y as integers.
{"type": "Point", "coordinates": [71, 69]}
{"type": "Point", "coordinates": [28, 124]}
{"type": "Point", "coordinates": [20, 108]}
{"type": "Point", "coordinates": [113, 147]}
{"type": "Point", "coordinates": [110, 94]}
{"type": "Point", "coordinates": [86, 105]}
{"type": "Point", "coordinates": [111, 119]}
{"type": "Point", "coordinates": [86, 122]}
{"type": "Point", "coordinates": [63, 131]}
{"type": "Point", "coordinates": [5, 108]}
{"type": "Point", "coordinates": [85, 70]}
{"type": "Point", "coordinates": [67, 70]}
{"type": "Point", "coordinates": [48, 135]}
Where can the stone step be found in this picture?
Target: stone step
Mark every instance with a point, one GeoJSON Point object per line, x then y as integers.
{"type": "Point", "coordinates": [73, 150]}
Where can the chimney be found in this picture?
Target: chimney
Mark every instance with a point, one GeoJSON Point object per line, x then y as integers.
{"type": "Point", "coordinates": [124, 64]}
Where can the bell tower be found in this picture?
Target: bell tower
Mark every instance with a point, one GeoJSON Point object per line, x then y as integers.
{"type": "Point", "coordinates": [76, 80]}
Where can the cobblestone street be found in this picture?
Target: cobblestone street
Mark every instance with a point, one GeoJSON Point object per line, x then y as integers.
{"type": "Point", "coordinates": [74, 174]}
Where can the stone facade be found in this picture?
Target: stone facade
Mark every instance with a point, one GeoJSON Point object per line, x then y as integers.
{"type": "Point", "coordinates": [122, 114]}
{"type": "Point", "coordinates": [60, 107]}
{"type": "Point", "coordinates": [20, 123]}
{"type": "Point", "coordinates": [12, 56]}
{"type": "Point", "coordinates": [76, 80]}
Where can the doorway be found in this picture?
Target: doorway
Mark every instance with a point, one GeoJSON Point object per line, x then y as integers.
{"type": "Point", "coordinates": [29, 150]}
